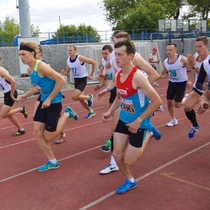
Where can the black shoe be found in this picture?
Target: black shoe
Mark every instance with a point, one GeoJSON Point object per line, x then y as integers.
{"type": "Point", "coordinates": [18, 133]}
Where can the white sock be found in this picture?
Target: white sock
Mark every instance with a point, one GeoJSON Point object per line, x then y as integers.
{"type": "Point", "coordinates": [113, 162]}
{"type": "Point", "coordinates": [66, 114]}
{"type": "Point", "coordinates": [131, 180]}
{"type": "Point", "coordinates": [54, 161]}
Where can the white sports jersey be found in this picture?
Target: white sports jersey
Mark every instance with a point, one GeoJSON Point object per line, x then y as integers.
{"type": "Point", "coordinates": [199, 65]}
{"type": "Point", "coordinates": [4, 85]}
{"type": "Point", "coordinates": [103, 62]}
{"type": "Point", "coordinates": [113, 62]}
{"type": "Point", "coordinates": [176, 72]}
{"type": "Point", "coordinates": [79, 70]}
{"type": "Point", "coordinates": [207, 68]}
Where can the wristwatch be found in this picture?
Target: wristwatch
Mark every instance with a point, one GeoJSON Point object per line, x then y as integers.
{"type": "Point", "coordinates": [195, 67]}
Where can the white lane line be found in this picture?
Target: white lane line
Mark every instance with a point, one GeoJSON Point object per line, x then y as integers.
{"type": "Point", "coordinates": [33, 169]}
{"type": "Point", "coordinates": [69, 129]}
{"type": "Point", "coordinates": [145, 176]}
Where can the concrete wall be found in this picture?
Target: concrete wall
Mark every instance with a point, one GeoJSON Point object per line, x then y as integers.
{"type": "Point", "coordinates": [56, 55]}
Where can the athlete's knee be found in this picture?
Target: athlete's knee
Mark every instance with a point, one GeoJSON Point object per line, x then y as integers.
{"type": "Point", "coordinates": [187, 108]}
{"type": "Point", "coordinates": [75, 98]}
{"type": "Point", "coordinates": [4, 116]}
{"type": "Point", "coordinates": [177, 105]}
{"type": "Point", "coordinates": [117, 156]}
{"type": "Point", "coordinates": [130, 162]}
{"type": "Point", "coordinates": [37, 133]}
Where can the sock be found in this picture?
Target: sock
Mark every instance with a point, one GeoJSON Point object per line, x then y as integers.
{"type": "Point", "coordinates": [22, 129]}
{"type": "Point", "coordinates": [21, 108]}
{"type": "Point", "coordinates": [112, 161]}
{"type": "Point", "coordinates": [192, 117]}
{"type": "Point", "coordinates": [54, 161]}
{"type": "Point", "coordinates": [131, 180]}
{"type": "Point", "coordinates": [66, 114]}
{"type": "Point", "coordinates": [91, 111]}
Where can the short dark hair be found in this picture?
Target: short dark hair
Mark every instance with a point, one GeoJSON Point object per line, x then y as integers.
{"type": "Point", "coordinates": [203, 39]}
{"type": "Point", "coordinates": [130, 47]}
{"type": "Point", "coordinates": [169, 44]}
{"type": "Point", "coordinates": [107, 47]}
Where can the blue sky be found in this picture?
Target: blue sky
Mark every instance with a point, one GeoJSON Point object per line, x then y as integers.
{"type": "Point", "coordinates": [46, 13]}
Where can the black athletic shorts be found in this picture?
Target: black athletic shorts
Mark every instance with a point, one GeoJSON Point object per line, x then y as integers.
{"type": "Point", "coordinates": [8, 100]}
{"type": "Point", "coordinates": [80, 83]}
{"type": "Point", "coordinates": [48, 116]}
{"type": "Point", "coordinates": [176, 91]}
{"type": "Point", "coordinates": [113, 94]}
{"type": "Point", "coordinates": [136, 139]}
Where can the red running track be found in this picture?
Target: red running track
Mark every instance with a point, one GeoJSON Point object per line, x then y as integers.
{"type": "Point", "coordinates": [172, 174]}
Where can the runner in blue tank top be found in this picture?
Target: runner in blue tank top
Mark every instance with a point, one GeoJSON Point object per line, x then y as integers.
{"type": "Point", "coordinates": [47, 120]}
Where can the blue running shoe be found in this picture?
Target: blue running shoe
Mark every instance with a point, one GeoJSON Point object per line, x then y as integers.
{"type": "Point", "coordinates": [193, 131]}
{"type": "Point", "coordinates": [71, 112]}
{"type": "Point", "coordinates": [90, 115]}
{"type": "Point", "coordinates": [155, 133]}
{"type": "Point", "coordinates": [48, 166]}
{"type": "Point", "coordinates": [90, 100]}
{"type": "Point", "coordinates": [128, 185]}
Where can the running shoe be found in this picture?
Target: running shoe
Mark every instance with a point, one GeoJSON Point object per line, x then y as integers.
{"type": "Point", "coordinates": [109, 168]}
{"type": "Point", "coordinates": [106, 147]}
{"type": "Point", "coordinates": [71, 112]}
{"type": "Point", "coordinates": [48, 166]}
{"type": "Point", "coordinates": [61, 139]}
{"type": "Point", "coordinates": [173, 122]}
{"type": "Point", "coordinates": [90, 115]}
{"type": "Point", "coordinates": [160, 109]}
{"type": "Point", "coordinates": [193, 131]}
{"type": "Point", "coordinates": [90, 100]}
{"type": "Point", "coordinates": [19, 132]}
{"type": "Point", "coordinates": [23, 111]}
{"type": "Point", "coordinates": [155, 133]}
{"type": "Point", "coordinates": [128, 185]}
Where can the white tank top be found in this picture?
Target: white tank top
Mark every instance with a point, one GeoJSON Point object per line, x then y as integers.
{"type": "Point", "coordinates": [78, 70]}
{"type": "Point", "coordinates": [4, 85]}
{"type": "Point", "coordinates": [103, 62]}
{"type": "Point", "coordinates": [207, 68]}
{"type": "Point", "coordinates": [199, 65]}
{"type": "Point", "coordinates": [176, 72]}
{"type": "Point", "coordinates": [113, 62]}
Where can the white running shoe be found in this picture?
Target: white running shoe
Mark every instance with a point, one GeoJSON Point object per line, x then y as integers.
{"type": "Point", "coordinates": [173, 122]}
{"type": "Point", "coordinates": [160, 109]}
{"type": "Point", "coordinates": [109, 168]}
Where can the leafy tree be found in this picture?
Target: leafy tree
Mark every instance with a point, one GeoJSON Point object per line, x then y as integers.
{"type": "Point", "coordinates": [72, 34]}
{"type": "Point", "coordinates": [200, 8]}
{"type": "Point", "coordinates": [9, 28]}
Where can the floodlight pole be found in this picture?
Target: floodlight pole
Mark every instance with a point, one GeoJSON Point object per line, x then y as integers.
{"type": "Point", "coordinates": [24, 15]}
{"type": "Point", "coordinates": [182, 41]}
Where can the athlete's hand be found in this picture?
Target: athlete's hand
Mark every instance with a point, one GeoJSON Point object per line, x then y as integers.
{"type": "Point", "coordinates": [100, 76]}
{"type": "Point", "coordinates": [46, 103]}
{"type": "Point", "coordinates": [62, 71]}
{"type": "Point", "coordinates": [105, 116]}
{"type": "Point", "coordinates": [134, 126]}
{"type": "Point", "coordinates": [204, 104]}
{"type": "Point", "coordinates": [101, 93]}
{"type": "Point", "coordinates": [22, 98]}
{"type": "Point", "coordinates": [90, 77]}
{"type": "Point", "coordinates": [13, 98]}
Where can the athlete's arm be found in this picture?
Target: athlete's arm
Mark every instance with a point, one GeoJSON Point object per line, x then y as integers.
{"type": "Point", "coordinates": [164, 71]}
{"type": "Point", "coordinates": [140, 82]}
{"type": "Point", "coordinates": [5, 74]}
{"type": "Point", "coordinates": [139, 62]}
{"type": "Point", "coordinates": [67, 72]}
{"type": "Point", "coordinates": [201, 78]}
{"type": "Point", "coordinates": [89, 61]}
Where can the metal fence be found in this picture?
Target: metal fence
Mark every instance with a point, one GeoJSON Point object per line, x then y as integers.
{"type": "Point", "coordinates": [49, 38]}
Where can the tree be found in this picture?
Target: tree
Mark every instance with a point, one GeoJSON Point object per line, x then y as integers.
{"type": "Point", "coordinates": [200, 8]}
{"type": "Point", "coordinates": [72, 34]}
{"type": "Point", "coordinates": [10, 28]}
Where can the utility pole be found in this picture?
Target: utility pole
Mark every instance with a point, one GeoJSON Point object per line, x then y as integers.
{"type": "Point", "coordinates": [24, 16]}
